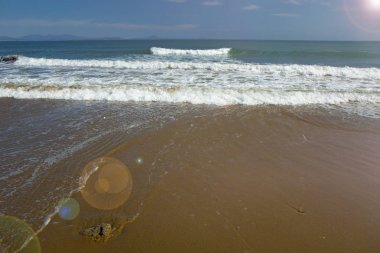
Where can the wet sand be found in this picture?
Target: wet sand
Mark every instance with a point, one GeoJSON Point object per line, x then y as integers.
{"type": "Point", "coordinates": [226, 179]}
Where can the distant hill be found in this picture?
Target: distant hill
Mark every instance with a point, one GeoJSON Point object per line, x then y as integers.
{"type": "Point", "coordinates": [153, 37]}
{"type": "Point", "coordinates": [67, 37]}
{"type": "Point", "coordinates": [5, 38]}
{"type": "Point", "coordinates": [37, 37]}
{"type": "Point", "coordinates": [109, 38]}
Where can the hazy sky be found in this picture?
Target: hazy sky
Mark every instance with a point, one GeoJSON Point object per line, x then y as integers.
{"type": "Point", "coordinates": [230, 19]}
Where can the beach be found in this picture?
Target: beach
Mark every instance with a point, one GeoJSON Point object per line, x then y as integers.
{"type": "Point", "coordinates": [208, 153]}
{"type": "Point", "coordinates": [231, 179]}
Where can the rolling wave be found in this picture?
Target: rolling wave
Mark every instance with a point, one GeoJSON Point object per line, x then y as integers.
{"type": "Point", "coordinates": [194, 95]}
{"type": "Point", "coordinates": [188, 81]}
{"type": "Point", "coordinates": [278, 69]}
{"type": "Point", "coordinates": [304, 53]}
{"type": "Point", "coordinates": [194, 52]}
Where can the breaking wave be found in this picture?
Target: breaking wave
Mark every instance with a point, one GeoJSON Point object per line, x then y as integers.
{"type": "Point", "coordinates": [195, 52]}
{"type": "Point", "coordinates": [283, 70]}
{"type": "Point", "coordinates": [194, 95]}
{"type": "Point", "coordinates": [188, 81]}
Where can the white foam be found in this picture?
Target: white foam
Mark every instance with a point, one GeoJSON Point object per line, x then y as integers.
{"type": "Point", "coordinates": [194, 95]}
{"type": "Point", "coordinates": [275, 70]}
{"type": "Point", "coordinates": [194, 52]}
{"type": "Point", "coordinates": [83, 179]}
{"type": "Point", "coordinates": [208, 82]}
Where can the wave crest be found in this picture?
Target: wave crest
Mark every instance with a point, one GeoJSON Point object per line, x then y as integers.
{"type": "Point", "coordinates": [274, 70]}
{"type": "Point", "coordinates": [194, 52]}
{"type": "Point", "coordinates": [194, 95]}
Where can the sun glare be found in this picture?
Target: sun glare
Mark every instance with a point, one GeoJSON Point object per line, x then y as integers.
{"type": "Point", "coordinates": [374, 4]}
{"type": "Point", "coordinates": [364, 14]}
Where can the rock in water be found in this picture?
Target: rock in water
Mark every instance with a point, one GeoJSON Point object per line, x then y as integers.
{"type": "Point", "coordinates": [8, 59]}
{"type": "Point", "coordinates": [99, 233]}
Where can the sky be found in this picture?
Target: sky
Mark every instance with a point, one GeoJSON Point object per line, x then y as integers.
{"type": "Point", "coordinates": [195, 19]}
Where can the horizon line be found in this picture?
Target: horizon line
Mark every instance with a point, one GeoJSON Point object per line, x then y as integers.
{"type": "Point", "coordinates": [117, 38]}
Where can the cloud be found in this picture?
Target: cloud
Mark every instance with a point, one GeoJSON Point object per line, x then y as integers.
{"type": "Point", "coordinates": [212, 3]}
{"type": "Point", "coordinates": [177, 1]}
{"type": "Point", "coordinates": [294, 2]}
{"type": "Point", "coordinates": [286, 15]}
{"type": "Point", "coordinates": [299, 2]}
{"type": "Point", "coordinates": [251, 7]}
{"type": "Point", "coordinates": [325, 3]}
{"type": "Point", "coordinates": [92, 24]}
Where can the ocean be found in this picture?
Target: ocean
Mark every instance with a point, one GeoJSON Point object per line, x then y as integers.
{"type": "Point", "coordinates": [233, 146]}
{"type": "Point", "coordinates": [197, 72]}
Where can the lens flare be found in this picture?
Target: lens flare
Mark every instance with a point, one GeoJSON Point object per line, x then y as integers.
{"type": "Point", "coordinates": [109, 186]}
{"type": "Point", "coordinates": [139, 161]}
{"type": "Point", "coordinates": [374, 4]}
{"type": "Point", "coordinates": [17, 236]}
{"type": "Point", "coordinates": [364, 14]}
{"type": "Point", "coordinates": [68, 209]}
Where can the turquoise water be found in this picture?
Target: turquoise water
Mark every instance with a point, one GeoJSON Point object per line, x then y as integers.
{"type": "Point", "coordinates": [216, 72]}
{"type": "Point", "coordinates": [355, 54]}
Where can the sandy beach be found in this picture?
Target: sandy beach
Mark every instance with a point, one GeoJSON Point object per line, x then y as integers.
{"type": "Point", "coordinates": [211, 179]}
{"type": "Point", "coordinates": [183, 126]}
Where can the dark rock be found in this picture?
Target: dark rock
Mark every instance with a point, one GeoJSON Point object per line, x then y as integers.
{"type": "Point", "coordinates": [8, 59]}
{"type": "Point", "coordinates": [99, 233]}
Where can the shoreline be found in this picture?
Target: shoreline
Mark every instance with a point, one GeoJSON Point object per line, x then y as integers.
{"type": "Point", "coordinates": [225, 179]}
